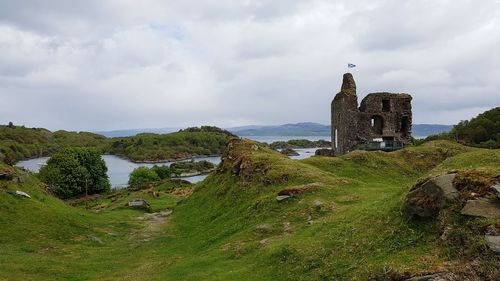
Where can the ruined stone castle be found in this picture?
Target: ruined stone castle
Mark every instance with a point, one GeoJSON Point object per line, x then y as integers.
{"type": "Point", "coordinates": [382, 121]}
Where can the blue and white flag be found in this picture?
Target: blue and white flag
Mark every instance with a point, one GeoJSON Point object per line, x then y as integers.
{"type": "Point", "coordinates": [350, 65]}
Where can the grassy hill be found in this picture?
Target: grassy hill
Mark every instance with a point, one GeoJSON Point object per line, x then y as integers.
{"type": "Point", "coordinates": [18, 143]}
{"type": "Point", "coordinates": [178, 145]}
{"type": "Point", "coordinates": [344, 223]}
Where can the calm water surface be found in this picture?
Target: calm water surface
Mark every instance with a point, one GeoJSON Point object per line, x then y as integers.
{"type": "Point", "coordinates": [119, 168]}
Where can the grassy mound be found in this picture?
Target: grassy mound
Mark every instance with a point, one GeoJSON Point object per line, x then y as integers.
{"type": "Point", "coordinates": [342, 221]}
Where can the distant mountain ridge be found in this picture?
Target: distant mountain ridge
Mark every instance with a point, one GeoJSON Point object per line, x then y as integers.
{"type": "Point", "coordinates": [295, 129]}
{"type": "Point", "coordinates": [316, 129]}
{"type": "Point", "coordinates": [133, 132]}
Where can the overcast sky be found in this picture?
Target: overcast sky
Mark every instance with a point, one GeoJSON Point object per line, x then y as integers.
{"type": "Point", "coordinates": [102, 65]}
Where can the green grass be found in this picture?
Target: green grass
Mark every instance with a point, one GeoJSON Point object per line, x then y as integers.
{"type": "Point", "coordinates": [232, 227]}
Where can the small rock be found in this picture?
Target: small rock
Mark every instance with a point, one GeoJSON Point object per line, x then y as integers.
{"type": "Point", "coordinates": [309, 220]}
{"type": "Point", "coordinates": [165, 213]}
{"type": "Point", "coordinates": [22, 194]}
{"type": "Point", "coordinates": [287, 227]}
{"type": "Point", "coordinates": [493, 242]}
{"type": "Point", "coordinates": [282, 197]}
{"type": "Point", "coordinates": [317, 203]}
{"type": "Point", "coordinates": [482, 208]}
{"type": "Point", "coordinates": [96, 239]}
{"type": "Point", "coordinates": [496, 190]}
{"type": "Point", "coordinates": [264, 241]}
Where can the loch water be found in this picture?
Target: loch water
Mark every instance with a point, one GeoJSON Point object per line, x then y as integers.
{"type": "Point", "coordinates": [120, 168]}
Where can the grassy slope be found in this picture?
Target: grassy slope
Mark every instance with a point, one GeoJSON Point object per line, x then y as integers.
{"type": "Point", "coordinates": [232, 228]}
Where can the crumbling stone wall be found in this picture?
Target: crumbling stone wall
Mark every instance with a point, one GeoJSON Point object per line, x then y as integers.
{"type": "Point", "coordinates": [380, 117]}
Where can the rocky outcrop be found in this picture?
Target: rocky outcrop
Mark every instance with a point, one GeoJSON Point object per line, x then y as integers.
{"type": "Point", "coordinates": [289, 152]}
{"type": "Point", "coordinates": [427, 198]}
{"type": "Point", "coordinates": [324, 152]}
{"type": "Point", "coordinates": [484, 207]}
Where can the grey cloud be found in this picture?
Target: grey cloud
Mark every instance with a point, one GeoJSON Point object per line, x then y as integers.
{"type": "Point", "coordinates": [97, 65]}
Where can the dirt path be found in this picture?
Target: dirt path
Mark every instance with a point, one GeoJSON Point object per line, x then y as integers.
{"type": "Point", "coordinates": [152, 224]}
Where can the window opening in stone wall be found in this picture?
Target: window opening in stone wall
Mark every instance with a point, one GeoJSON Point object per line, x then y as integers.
{"type": "Point", "coordinates": [386, 105]}
{"type": "Point", "coordinates": [336, 138]}
{"type": "Point", "coordinates": [377, 123]}
{"type": "Point", "coordinates": [405, 125]}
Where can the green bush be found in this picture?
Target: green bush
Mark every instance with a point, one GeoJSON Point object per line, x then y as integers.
{"type": "Point", "coordinates": [163, 172]}
{"type": "Point", "coordinates": [74, 171]}
{"type": "Point", "coordinates": [141, 176]}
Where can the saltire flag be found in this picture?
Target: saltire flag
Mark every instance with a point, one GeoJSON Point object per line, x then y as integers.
{"type": "Point", "coordinates": [350, 65]}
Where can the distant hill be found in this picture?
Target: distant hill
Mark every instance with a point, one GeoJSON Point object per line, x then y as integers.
{"type": "Point", "coordinates": [297, 129]}
{"type": "Point", "coordinates": [133, 132]}
{"type": "Point", "coordinates": [424, 130]}
{"type": "Point", "coordinates": [315, 129]}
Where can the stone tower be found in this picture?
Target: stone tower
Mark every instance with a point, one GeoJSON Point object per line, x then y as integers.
{"type": "Point", "coordinates": [382, 121]}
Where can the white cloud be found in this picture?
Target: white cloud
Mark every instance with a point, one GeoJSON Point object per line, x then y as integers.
{"type": "Point", "coordinates": [97, 65]}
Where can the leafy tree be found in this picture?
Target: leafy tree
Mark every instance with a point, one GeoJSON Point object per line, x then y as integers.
{"type": "Point", "coordinates": [69, 171]}
{"type": "Point", "coordinates": [481, 131]}
{"type": "Point", "coordinates": [141, 176]}
{"type": "Point", "coordinates": [163, 172]}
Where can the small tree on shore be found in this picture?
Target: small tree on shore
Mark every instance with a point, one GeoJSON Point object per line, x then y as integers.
{"type": "Point", "coordinates": [141, 176]}
{"type": "Point", "coordinates": [70, 171]}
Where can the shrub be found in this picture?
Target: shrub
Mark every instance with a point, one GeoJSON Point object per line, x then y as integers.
{"type": "Point", "coordinates": [163, 172]}
{"type": "Point", "coordinates": [70, 172]}
{"type": "Point", "coordinates": [141, 176]}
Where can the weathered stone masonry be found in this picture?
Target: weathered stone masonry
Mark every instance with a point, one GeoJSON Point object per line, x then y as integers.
{"type": "Point", "coordinates": [383, 118]}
